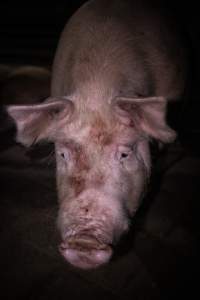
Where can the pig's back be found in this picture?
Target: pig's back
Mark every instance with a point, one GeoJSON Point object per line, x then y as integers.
{"type": "Point", "coordinates": [127, 47]}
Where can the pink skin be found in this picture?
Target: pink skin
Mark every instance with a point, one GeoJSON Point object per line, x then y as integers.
{"type": "Point", "coordinates": [111, 81]}
{"type": "Point", "coordinates": [95, 209]}
{"type": "Point", "coordinates": [110, 63]}
{"type": "Point", "coordinates": [85, 259]}
{"type": "Point", "coordinates": [103, 166]}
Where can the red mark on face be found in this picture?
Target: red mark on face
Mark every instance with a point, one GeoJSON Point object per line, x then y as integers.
{"type": "Point", "coordinates": [77, 182]}
{"type": "Point", "coordinates": [99, 133]}
{"type": "Point", "coordinates": [98, 179]}
{"type": "Point", "coordinates": [81, 167]}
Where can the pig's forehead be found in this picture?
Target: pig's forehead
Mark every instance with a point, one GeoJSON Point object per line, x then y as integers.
{"type": "Point", "coordinates": [86, 126]}
{"type": "Point", "coordinates": [97, 129]}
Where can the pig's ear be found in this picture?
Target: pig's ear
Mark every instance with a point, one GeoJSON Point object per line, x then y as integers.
{"type": "Point", "coordinates": [38, 121]}
{"type": "Point", "coordinates": [147, 115]}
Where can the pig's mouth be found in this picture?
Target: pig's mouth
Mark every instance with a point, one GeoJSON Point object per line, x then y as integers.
{"type": "Point", "coordinates": [85, 251]}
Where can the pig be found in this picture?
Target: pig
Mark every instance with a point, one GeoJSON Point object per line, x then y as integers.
{"type": "Point", "coordinates": [117, 65]}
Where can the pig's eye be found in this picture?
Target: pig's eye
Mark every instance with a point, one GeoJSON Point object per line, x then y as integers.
{"type": "Point", "coordinates": [64, 155]}
{"type": "Point", "coordinates": [124, 155]}
{"type": "Point", "coordinates": [124, 152]}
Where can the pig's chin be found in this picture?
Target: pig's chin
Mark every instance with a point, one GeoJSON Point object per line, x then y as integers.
{"type": "Point", "coordinates": [85, 252]}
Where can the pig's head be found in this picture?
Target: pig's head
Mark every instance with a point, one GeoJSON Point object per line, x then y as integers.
{"type": "Point", "coordinates": [103, 166]}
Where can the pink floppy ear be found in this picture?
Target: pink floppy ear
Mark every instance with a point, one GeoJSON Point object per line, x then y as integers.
{"type": "Point", "coordinates": [36, 122]}
{"type": "Point", "coordinates": [147, 115]}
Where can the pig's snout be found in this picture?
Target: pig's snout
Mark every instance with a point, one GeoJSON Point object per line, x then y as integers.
{"type": "Point", "coordinates": [85, 252]}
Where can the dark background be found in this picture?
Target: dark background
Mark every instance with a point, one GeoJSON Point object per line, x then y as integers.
{"type": "Point", "coordinates": [159, 259]}
{"type": "Point", "coordinates": [30, 30]}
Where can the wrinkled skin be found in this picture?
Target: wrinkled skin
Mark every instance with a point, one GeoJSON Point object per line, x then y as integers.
{"type": "Point", "coordinates": [108, 102]}
{"type": "Point", "coordinates": [96, 169]}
